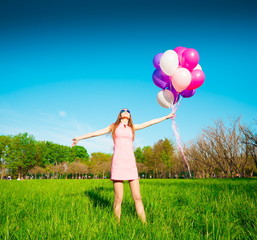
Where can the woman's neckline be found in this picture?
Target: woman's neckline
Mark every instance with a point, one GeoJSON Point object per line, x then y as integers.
{"type": "Point", "coordinates": [124, 123]}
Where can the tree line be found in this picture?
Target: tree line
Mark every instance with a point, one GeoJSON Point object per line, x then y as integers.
{"type": "Point", "coordinates": [224, 151]}
{"type": "Point", "coordinates": [219, 151]}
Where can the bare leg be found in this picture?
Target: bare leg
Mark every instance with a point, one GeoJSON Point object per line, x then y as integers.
{"type": "Point", "coordinates": [118, 196]}
{"type": "Point", "coordinates": [135, 191]}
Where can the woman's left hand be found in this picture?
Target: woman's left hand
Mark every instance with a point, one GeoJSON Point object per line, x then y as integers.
{"type": "Point", "coordinates": [75, 141]}
{"type": "Point", "coordinates": [171, 115]}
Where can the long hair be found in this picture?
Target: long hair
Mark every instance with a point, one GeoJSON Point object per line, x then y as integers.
{"type": "Point", "coordinates": [116, 124]}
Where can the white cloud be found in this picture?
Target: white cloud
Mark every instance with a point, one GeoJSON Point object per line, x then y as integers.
{"type": "Point", "coordinates": [62, 113]}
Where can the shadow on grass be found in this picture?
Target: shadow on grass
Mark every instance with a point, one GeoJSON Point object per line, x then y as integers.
{"type": "Point", "coordinates": [99, 198]}
{"type": "Point", "coordinates": [96, 195]}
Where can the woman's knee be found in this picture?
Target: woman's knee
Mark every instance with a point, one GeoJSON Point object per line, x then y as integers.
{"type": "Point", "coordinates": [137, 197]}
{"type": "Point", "coordinates": [117, 203]}
{"type": "Point", "coordinates": [118, 200]}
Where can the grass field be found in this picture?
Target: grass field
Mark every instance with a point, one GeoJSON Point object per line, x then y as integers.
{"type": "Point", "coordinates": [82, 209]}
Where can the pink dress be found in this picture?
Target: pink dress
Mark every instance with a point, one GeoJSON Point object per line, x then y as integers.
{"type": "Point", "coordinates": [123, 162]}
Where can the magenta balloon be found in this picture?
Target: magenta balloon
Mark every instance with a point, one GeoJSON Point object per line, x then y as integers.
{"type": "Point", "coordinates": [156, 60]}
{"type": "Point", "coordinates": [190, 59]}
{"type": "Point", "coordinates": [188, 93]}
{"type": "Point", "coordinates": [179, 51]}
{"type": "Point", "coordinates": [198, 78]}
{"type": "Point", "coordinates": [160, 79]}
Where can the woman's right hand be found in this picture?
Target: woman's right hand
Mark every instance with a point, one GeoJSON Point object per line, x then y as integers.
{"type": "Point", "coordinates": [75, 141]}
{"type": "Point", "coordinates": [171, 115]}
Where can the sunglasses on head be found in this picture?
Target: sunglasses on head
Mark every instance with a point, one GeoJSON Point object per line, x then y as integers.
{"type": "Point", "coordinates": [124, 110]}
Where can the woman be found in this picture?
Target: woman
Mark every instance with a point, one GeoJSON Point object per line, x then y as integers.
{"type": "Point", "coordinates": [123, 161]}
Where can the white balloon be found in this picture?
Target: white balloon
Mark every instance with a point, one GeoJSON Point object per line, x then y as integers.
{"type": "Point", "coordinates": [181, 79]}
{"type": "Point", "coordinates": [165, 98]}
{"type": "Point", "coordinates": [169, 62]}
{"type": "Point", "coordinates": [198, 66]}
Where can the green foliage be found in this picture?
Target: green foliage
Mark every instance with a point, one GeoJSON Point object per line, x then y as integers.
{"type": "Point", "coordinates": [52, 153]}
{"type": "Point", "coordinates": [139, 155]}
{"type": "Point", "coordinates": [4, 142]}
{"type": "Point", "coordinates": [175, 209]}
{"type": "Point", "coordinates": [159, 158]}
{"type": "Point", "coordinates": [80, 153]}
{"type": "Point", "coordinates": [20, 153]}
{"type": "Point", "coordinates": [100, 163]}
{"type": "Point", "coordinates": [148, 152]}
{"type": "Point", "coordinates": [100, 157]}
{"type": "Point", "coordinates": [164, 151]}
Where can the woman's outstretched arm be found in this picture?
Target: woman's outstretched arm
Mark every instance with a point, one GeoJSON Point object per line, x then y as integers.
{"type": "Point", "coordinates": [92, 134]}
{"type": "Point", "coordinates": [152, 122]}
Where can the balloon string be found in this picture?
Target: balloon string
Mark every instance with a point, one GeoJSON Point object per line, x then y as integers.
{"type": "Point", "coordinates": [177, 136]}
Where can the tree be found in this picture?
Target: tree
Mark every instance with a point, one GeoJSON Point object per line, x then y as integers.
{"type": "Point", "coordinates": [20, 155]}
{"type": "Point", "coordinates": [140, 158]}
{"type": "Point", "coordinates": [168, 155]}
{"type": "Point", "coordinates": [250, 141]}
{"type": "Point", "coordinates": [52, 153]}
{"type": "Point", "coordinates": [80, 153]}
{"type": "Point", "coordinates": [179, 167]}
{"type": "Point", "coordinates": [4, 142]}
{"type": "Point", "coordinates": [77, 169]}
{"type": "Point", "coordinates": [36, 170]}
{"type": "Point", "coordinates": [149, 160]}
{"type": "Point", "coordinates": [47, 152]}
{"type": "Point", "coordinates": [159, 158]}
{"type": "Point", "coordinates": [100, 163]}
{"type": "Point", "coordinates": [220, 151]}
{"type": "Point", "coordinates": [142, 169]}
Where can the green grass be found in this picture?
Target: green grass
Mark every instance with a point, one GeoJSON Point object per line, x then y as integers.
{"type": "Point", "coordinates": [82, 209]}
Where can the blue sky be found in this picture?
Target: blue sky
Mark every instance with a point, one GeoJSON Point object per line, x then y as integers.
{"type": "Point", "coordinates": [68, 67]}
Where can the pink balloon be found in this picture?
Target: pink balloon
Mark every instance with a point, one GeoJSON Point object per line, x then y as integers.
{"type": "Point", "coordinates": [179, 51]}
{"type": "Point", "coordinates": [181, 79]}
{"type": "Point", "coordinates": [190, 59]}
{"type": "Point", "coordinates": [198, 78]}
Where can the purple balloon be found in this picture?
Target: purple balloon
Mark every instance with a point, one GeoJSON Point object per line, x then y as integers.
{"type": "Point", "coordinates": [188, 93]}
{"type": "Point", "coordinates": [156, 60]}
{"type": "Point", "coordinates": [175, 93]}
{"type": "Point", "coordinates": [160, 79]}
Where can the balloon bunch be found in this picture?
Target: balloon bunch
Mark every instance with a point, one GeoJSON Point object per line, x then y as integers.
{"type": "Point", "coordinates": [178, 73]}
